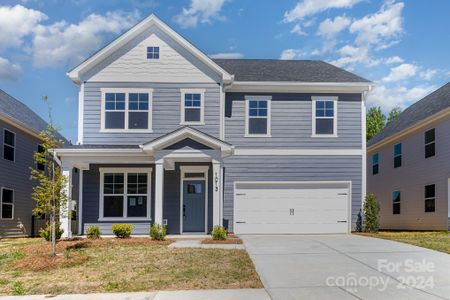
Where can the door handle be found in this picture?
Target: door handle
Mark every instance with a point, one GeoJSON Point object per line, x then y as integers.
{"type": "Point", "coordinates": [184, 210]}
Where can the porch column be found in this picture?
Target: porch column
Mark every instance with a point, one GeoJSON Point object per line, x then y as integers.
{"type": "Point", "coordinates": [217, 182]}
{"type": "Point", "coordinates": [65, 212]}
{"type": "Point", "coordinates": [159, 191]}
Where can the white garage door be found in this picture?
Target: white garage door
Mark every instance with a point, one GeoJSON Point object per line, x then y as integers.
{"type": "Point", "coordinates": [271, 208]}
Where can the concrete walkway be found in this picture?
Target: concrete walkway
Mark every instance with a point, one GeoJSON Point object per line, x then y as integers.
{"type": "Point", "coordinates": [238, 294]}
{"type": "Point", "coordinates": [348, 267]}
{"type": "Point", "coordinates": [198, 244]}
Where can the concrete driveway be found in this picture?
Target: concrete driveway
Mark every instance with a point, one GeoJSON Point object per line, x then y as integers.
{"type": "Point", "coordinates": [347, 267]}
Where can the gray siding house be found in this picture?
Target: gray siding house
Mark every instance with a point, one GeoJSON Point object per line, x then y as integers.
{"type": "Point", "coordinates": [168, 135]}
{"type": "Point", "coordinates": [409, 166]}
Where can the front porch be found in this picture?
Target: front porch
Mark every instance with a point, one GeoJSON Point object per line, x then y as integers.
{"type": "Point", "coordinates": [175, 180]}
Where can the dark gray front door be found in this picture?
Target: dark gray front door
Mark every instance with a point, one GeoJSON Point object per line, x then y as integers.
{"type": "Point", "coordinates": [194, 206]}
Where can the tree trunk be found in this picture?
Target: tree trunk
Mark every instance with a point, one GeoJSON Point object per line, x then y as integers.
{"type": "Point", "coordinates": [53, 228]}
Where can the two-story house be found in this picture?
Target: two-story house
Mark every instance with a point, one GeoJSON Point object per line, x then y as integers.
{"type": "Point", "coordinates": [19, 136]}
{"type": "Point", "coordinates": [409, 166]}
{"type": "Point", "coordinates": [168, 135]}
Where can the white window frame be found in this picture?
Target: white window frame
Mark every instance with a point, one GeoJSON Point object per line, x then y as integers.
{"type": "Point", "coordinates": [14, 147]}
{"type": "Point", "coordinates": [247, 115]}
{"type": "Point", "coordinates": [202, 106]}
{"type": "Point", "coordinates": [314, 99]}
{"type": "Point", "coordinates": [12, 204]}
{"type": "Point", "coordinates": [125, 172]}
{"type": "Point", "coordinates": [127, 91]}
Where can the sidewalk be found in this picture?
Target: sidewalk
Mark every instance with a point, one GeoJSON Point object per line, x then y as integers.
{"type": "Point", "coordinates": [238, 294]}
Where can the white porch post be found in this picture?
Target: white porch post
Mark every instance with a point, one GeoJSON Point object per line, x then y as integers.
{"type": "Point", "coordinates": [159, 191]}
{"type": "Point", "coordinates": [65, 213]}
{"type": "Point", "coordinates": [217, 182]}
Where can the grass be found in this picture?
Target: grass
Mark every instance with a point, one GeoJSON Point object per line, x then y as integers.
{"type": "Point", "coordinates": [436, 240]}
{"type": "Point", "coordinates": [114, 265]}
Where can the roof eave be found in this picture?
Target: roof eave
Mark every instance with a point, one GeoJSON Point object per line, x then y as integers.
{"type": "Point", "coordinates": [292, 86]}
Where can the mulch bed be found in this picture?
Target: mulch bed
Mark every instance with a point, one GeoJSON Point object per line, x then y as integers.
{"type": "Point", "coordinates": [233, 241]}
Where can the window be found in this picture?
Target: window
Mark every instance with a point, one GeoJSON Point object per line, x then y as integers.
{"type": "Point", "coordinates": [397, 155]}
{"type": "Point", "coordinates": [40, 166]}
{"type": "Point", "coordinates": [192, 107]}
{"type": "Point", "coordinates": [430, 143]}
{"type": "Point", "coordinates": [127, 109]}
{"type": "Point", "coordinates": [9, 145]}
{"type": "Point", "coordinates": [324, 120]}
{"type": "Point", "coordinates": [375, 163]}
{"type": "Point", "coordinates": [258, 117]}
{"type": "Point", "coordinates": [152, 52]}
{"type": "Point", "coordinates": [7, 201]}
{"type": "Point", "coordinates": [396, 202]}
{"type": "Point", "coordinates": [125, 194]}
{"type": "Point", "coordinates": [430, 198]}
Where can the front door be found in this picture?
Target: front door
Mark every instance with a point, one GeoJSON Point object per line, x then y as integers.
{"type": "Point", "coordinates": [194, 206]}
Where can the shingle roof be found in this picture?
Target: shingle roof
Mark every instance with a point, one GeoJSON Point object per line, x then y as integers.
{"type": "Point", "coordinates": [21, 114]}
{"type": "Point", "coordinates": [102, 146]}
{"type": "Point", "coordinates": [433, 103]}
{"type": "Point", "coordinates": [286, 70]}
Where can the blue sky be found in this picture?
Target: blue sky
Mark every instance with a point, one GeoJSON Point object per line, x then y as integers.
{"type": "Point", "coordinates": [403, 46]}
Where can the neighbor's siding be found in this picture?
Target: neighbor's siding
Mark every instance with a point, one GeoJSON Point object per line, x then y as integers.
{"type": "Point", "coordinates": [166, 113]}
{"type": "Point", "coordinates": [291, 122]}
{"type": "Point", "coordinates": [292, 168]}
{"type": "Point", "coordinates": [411, 178]}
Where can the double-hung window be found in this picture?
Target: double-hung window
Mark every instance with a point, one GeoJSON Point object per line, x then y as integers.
{"type": "Point", "coordinates": [430, 143]}
{"type": "Point", "coordinates": [258, 116]}
{"type": "Point", "coordinates": [397, 155]}
{"type": "Point", "coordinates": [375, 163]}
{"type": "Point", "coordinates": [430, 198]}
{"type": "Point", "coordinates": [396, 202]}
{"type": "Point", "coordinates": [7, 204]}
{"type": "Point", "coordinates": [152, 52]}
{"type": "Point", "coordinates": [9, 145]}
{"type": "Point", "coordinates": [324, 116]}
{"type": "Point", "coordinates": [126, 109]}
{"type": "Point", "coordinates": [192, 107]}
{"type": "Point", "coordinates": [125, 194]}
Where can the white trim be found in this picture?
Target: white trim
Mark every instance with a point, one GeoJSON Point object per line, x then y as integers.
{"type": "Point", "coordinates": [348, 183]}
{"type": "Point", "coordinates": [4, 144]}
{"type": "Point", "coordinates": [269, 115]}
{"type": "Point", "coordinates": [125, 172]}
{"type": "Point", "coordinates": [193, 169]}
{"type": "Point", "coordinates": [222, 112]}
{"type": "Point", "coordinates": [159, 192]}
{"type": "Point", "coordinates": [183, 92]}
{"type": "Point", "coordinates": [16, 123]}
{"type": "Point", "coordinates": [294, 86]}
{"type": "Point", "coordinates": [127, 92]}
{"type": "Point", "coordinates": [296, 151]}
{"type": "Point", "coordinates": [364, 150]}
{"type": "Point", "coordinates": [81, 114]}
{"type": "Point", "coordinates": [80, 201]}
{"type": "Point", "coordinates": [11, 204]}
{"type": "Point", "coordinates": [314, 99]}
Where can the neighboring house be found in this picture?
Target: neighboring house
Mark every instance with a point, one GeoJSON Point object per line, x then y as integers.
{"type": "Point", "coordinates": [408, 166]}
{"type": "Point", "coordinates": [168, 135]}
{"type": "Point", "coordinates": [19, 136]}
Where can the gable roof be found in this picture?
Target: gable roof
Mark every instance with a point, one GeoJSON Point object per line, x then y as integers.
{"type": "Point", "coordinates": [436, 102]}
{"type": "Point", "coordinates": [134, 31]}
{"type": "Point", "coordinates": [286, 70]}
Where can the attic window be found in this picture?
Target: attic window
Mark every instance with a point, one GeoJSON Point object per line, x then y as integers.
{"type": "Point", "coordinates": [152, 52]}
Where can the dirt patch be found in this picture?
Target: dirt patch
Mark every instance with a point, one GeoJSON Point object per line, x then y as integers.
{"type": "Point", "coordinates": [233, 241]}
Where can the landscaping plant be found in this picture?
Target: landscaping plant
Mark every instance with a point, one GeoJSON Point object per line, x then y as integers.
{"type": "Point", "coordinates": [219, 233]}
{"type": "Point", "coordinates": [158, 232]}
{"type": "Point", "coordinates": [93, 232]}
{"type": "Point", "coordinates": [46, 233]}
{"type": "Point", "coordinates": [122, 230]}
{"type": "Point", "coordinates": [371, 214]}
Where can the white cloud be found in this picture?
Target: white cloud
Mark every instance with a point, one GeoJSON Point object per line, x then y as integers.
{"type": "Point", "coordinates": [306, 8]}
{"type": "Point", "coordinates": [202, 11]}
{"type": "Point", "coordinates": [351, 55]}
{"type": "Point", "coordinates": [428, 74]}
{"type": "Point", "coordinates": [62, 43]}
{"type": "Point", "coordinates": [288, 54]}
{"type": "Point", "coordinates": [229, 55]}
{"type": "Point", "coordinates": [298, 30]}
{"type": "Point", "coordinates": [394, 60]}
{"type": "Point", "coordinates": [8, 70]}
{"type": "Point", "coordinates": [401, 72]}
{"type": "Point", "coordinates": [16, 22]}
{"type": "Point", "coordinates": [329, 28]}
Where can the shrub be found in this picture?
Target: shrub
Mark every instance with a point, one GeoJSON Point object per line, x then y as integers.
{"type": "Point", "coordinates": [122, 230]}
{"type": "Point", "coordinates": [93, 232]}
{"type": "Point", "coordinates": [46, 232]}
{"type": "Point", "coordinates": [371, 214]}
{"type": "Point", "coordinates": [158, 232]}
{"type": "Point", "coordinates": [219, 233]}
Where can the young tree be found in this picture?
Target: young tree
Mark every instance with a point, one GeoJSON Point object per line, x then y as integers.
{"type": "Point", "coordinates": [49, 193]}
{"type": "Point", "coordinates": [393, 114]}
{"type": "Point", "coordinates": [371, 214]}
{"type": "Point", "coordinates": [375, 122]}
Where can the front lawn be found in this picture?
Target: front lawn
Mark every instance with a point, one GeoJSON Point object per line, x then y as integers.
{"type": "Point", "coordinates": [114, 265]}
{"type": "Point", "coordinates": [439, 241]}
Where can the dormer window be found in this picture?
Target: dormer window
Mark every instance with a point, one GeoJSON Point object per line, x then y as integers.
{"type": "Point", "coordinates": [152, 52]}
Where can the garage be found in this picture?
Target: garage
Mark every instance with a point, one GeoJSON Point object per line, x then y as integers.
{"type": "Point", "coordinates": [291, 207]}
